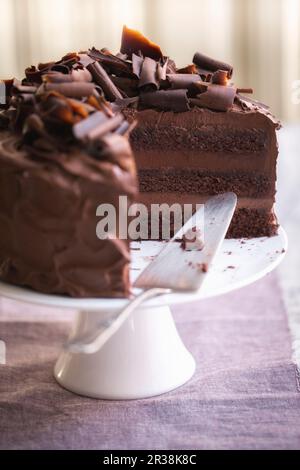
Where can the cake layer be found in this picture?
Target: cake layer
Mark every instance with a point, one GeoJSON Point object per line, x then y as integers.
{"type": "Point", "coordinates": [202, 160]}
{"type": "Point", "coordinates": [195, 181]}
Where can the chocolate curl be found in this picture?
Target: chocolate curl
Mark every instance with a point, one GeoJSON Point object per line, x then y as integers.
{"type": "Point", "coordinates": [220, 77]}
{"type": "Point", "coordinates": [60, 68]}
{"type": "Point", "coordinates": [119, 55]}
{"type": "Point", "coordinates": [169, 100]}
{"type": "Point", "coordinates": [69, 59]}
{"type": "Point", "coordinates": [128, 86]}
{"type": "Point", "coordinates": [85, 60]}
{"type": "Point", "coordinates": [209, 64]}
{"type": "Point", "coordinates": [115, 65]}
{"type": "Point", "coordinates": [245, 90]}
{"type": "Point", "coordinates": [82, 129]}
{"type": "Point", "coordinates": [137, 63]}
{"type": "Point", "coordinates": [102, 79]}
{"type": "Point", "coordinates": [81, 75]}
{"type": "Point", "coordinates": [96, 125]}
{"type": "Point", "coordinates": [148, 74]}
{"type": "Point", "coordinates": [133, 42]}
{"type": "Point", "coordinates": [56, 77]}
{"type": "Point", "coordinates": [171, 67]}
{"type": "Point", "coordinates": [33, 75]}
{"type": "Point", "coordinates": [162, 71]}
{"type": "Point", "coordinates": [188, 69]}
{"type": "Point", "coordinates": [72, 90]}
{"type": "Point", "coordinates": [109, 126]}
{"type": "Point", "coordinates": [182, 80]}
{"type": "Point", "coordinates": [216, 97]}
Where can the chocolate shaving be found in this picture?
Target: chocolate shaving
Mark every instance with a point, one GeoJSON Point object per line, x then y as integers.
{"type": "Point", "coordinates": [209, 64]}
{"type": "Point", "coordinates": [220, 77]}
{"type": "Point", "coordinates": [60, 68]}
{"type": "Point", "coordinates": [56, 77]}
{"type": "Point", "coordinates": [188, 69]}
{"type": "Point", "coordinates": [69, 59]}
{"type": "Point", "coordinates": [245, 90]}
{"type": "Point", "coordinates": [169, 100]}
{"type": "Point", "coordinates": [101, 77]}
{"type": "Point", "coordinates": [216, 97]}
{"type": "Point", "coordinates": [33, 74]}
{"type": "Point", "coordinates": [84, 127]}
{"type": "Point", "coordinates": [81, 75]}
{"type": "Point", "coordinates": [119, 55]}
{"type": "Point", "coordinates": [45, 65]}
{"type": "Point", "coordinates": [73, 90]}
{"type": "Point", "coordinates": [171, 66]}
{"type": "Point", "coordinates": [133, 42]}
{"type": "Point", "coordinates": [105, 127]}
{"type": "Point", "coordinates": [129, 86]}
{"type": "Point", "coordinates": [85, 60]}
{"type": "Point", "coordinates": [114, 64]}
{"type": "Point", "coordinates": [148, 74]}
{"type": "Point", "coordinates": [182, 80]}
{"type": "Point", "coordinates": [137, 63]}
{"type": "Point", "coordinates": [162, 71]}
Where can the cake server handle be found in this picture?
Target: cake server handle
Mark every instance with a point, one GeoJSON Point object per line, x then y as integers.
{"type": "Point", "coordinates": [91, 342]}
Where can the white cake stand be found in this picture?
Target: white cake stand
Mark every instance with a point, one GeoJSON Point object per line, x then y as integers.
{"type": "Point", "coordinates": [146, 357]}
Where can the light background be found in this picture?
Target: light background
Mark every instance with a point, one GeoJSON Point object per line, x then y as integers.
{"type": "Point", "coordinates": [261, 38]}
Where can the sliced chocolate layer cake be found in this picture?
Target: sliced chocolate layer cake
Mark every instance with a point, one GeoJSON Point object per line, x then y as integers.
{"type": "Point", "coordinates": [190, 156]}
{"type": "Point", "coordinates": [63, 152]}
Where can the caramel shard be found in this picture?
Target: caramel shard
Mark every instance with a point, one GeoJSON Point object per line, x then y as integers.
{"type": "Point", "coordinates": [133, 42]}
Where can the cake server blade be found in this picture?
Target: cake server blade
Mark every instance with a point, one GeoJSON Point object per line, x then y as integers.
{"type": "Point", "coordinates": [174, 270]}
{"type": "Point", "coordinates": [180, 270]}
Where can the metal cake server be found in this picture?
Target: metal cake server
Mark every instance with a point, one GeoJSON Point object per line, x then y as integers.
{"type": "Point", "coordinates": [171, 271]}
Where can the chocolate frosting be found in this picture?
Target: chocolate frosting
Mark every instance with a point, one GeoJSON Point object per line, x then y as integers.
{"type": "Point", "coordinates": [63, 151]}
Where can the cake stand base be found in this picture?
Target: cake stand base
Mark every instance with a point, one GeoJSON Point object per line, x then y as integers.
{"type": "Point", "coordinates": [146, 357]}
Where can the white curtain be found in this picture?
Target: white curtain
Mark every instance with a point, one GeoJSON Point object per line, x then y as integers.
{"type": "Point", "coordinates": [261, 38]}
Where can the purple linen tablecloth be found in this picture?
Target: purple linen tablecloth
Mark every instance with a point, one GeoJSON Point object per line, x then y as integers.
{"type": "Point", "coordinates": [244, 395]}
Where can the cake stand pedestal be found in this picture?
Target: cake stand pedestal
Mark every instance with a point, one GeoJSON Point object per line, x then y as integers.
{"type": "Point", "coordinates": [146, 357]}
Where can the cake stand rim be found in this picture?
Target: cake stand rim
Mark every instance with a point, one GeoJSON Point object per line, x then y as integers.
{"type": "Point", "coordinates": [26, 295]}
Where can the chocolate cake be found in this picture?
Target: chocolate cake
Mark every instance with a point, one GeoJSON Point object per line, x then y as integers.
{"type": "Point", "coordinates": [198, 135]}
{"type": "Point", "coordinates": [63, 151]}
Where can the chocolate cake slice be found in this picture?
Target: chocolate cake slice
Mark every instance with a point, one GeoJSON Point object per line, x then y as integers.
{"type": "Point", "coordinates": [197, 134]}
{"type": "Point", "coordinates": [63, 152]}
